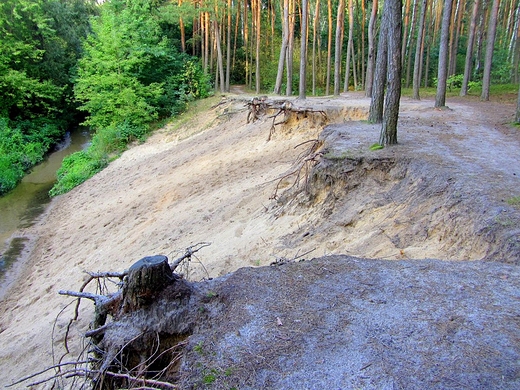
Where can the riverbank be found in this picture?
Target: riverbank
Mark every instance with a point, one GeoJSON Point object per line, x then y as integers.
{"type": "Point", "coordinates": [212, 179]}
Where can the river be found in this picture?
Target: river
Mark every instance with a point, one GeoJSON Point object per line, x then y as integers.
{"type": "Point", "coordinates": [21, 207]}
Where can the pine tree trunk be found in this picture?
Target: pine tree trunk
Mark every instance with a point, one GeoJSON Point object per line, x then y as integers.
{"type": "Point", "coordinates": [469, 49]}
{"type": "Point", "coordinates": [371, 60]}
{"type": "Point", "coordinates": [329, 47]}
{"type": "Point", "coordinates": [418, 52]}
{"type": "Point", "coordinates": [349, 45]}
{"type": "Point", "coordinates": [518, 108]}
{"type": "Point", "coordinates": [338, 45]}
{"type": "Point", "coordinates": [490, 45]}
{"type": "Point", "coordinates": [303, 50]}
{"type": "Point", "coordinates": [442, 71]}
{"type": "Point", "coordinates": [283, 50]}
{"type": "Point", "coordinates": [290, 48]}
{"type": "Point", "coordinates": [228, 47]}
{"type": "Point", "coordinates": [257, 20]}
{"type": "Point", "coordinates": [393, 93]}
{"type": "Point", "coordinates": [145, 280]}
{"type": "Point", "coordinates": [375, 114]}
{"type": "Point", "coordinates": [315, 27]}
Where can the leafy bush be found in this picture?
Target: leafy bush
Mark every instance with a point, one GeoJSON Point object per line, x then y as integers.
{"type": "Point", "coordinates": [77, 168]}
{"type": "Point", "coordinates": [23, 144]}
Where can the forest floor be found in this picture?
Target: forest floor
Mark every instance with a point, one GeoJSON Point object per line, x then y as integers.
{"type": "Point", "coordinates": [449, 190]}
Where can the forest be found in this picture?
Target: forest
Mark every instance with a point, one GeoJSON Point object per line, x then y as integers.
{"type": "Point", "coordinates": [123, 67]}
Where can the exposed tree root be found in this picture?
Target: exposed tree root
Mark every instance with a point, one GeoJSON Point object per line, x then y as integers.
{"type": "Point", "coordinates": [259, 106]}
{"type": "Point", "coordinates": [136, 349]}
{"type": "Point", "coordinates": [301, 168]}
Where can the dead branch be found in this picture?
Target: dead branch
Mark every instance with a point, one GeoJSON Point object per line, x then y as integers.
{"type": "Point", "coordinates": [82, 372]}
{"type": "Point", "coordinates": [47, 369]}
{"type": "Point", "coordinates": [189, 253]}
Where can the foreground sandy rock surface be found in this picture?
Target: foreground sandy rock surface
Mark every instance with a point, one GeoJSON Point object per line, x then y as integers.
{"type": "Point", "coordinates": [442, 193]}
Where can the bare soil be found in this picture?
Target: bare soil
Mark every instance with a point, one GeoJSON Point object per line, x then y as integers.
{"type": "Point", "coordinates": [441, 193]}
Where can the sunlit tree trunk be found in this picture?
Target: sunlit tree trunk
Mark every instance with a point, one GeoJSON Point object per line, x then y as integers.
{"type": "Point", "coordinates": [490, 45]}
{"type": "Point", "coordinates": [469, 49]}
{"type": "Point", "coordinates": [329, 46]}
{"type": "Point", "coordinates": [418, 52]}
{"type": "Point", "coordinates": [290, 48]}
{"type": "Point", "coordinates": [315, 30]}
{"type": "Point", "coordinates": [228, 46]}
{"type": "Point", "coordinates": [361, 51]}
{"type": "Point", "coordinates": [303, 51]}
{"type": "Point", "coordinates": [283, 50]}
{"type": "Point", "coordinates": [406, 21]}
{"type": "Point", "coordinates": [257, 17]}
{"type": "Point", "coordinates": [220, 61]}
{"type": "Point", "coordinates": [371, 59]}
{"type": "Point", "coordinates": [410, 43]}
{"type": "Point", "coordinates": [339, 43]}
{"type": "Point", "coordinates": [349, 45]}
{"type": "Point", "coordinates": [442, 70]}
{"type": "Point", "coordinates": [183, 32]}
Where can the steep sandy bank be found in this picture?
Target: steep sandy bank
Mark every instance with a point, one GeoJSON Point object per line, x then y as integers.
{"type": "Point", "coordinates": [212, 181]}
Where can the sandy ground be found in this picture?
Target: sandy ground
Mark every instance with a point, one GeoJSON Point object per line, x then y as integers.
{"type": "Point", "coordinates": [211, 181]}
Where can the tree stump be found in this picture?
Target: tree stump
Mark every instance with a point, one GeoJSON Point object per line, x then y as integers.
{"type": "Point", "coordinates": [146, 279]}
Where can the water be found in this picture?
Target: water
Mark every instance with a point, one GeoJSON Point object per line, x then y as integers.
{"type": "Point", "coordinates": [21, 207]}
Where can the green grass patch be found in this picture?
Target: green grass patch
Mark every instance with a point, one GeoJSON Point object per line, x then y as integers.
{"type": "Point", "coordinates": [376, 146]}
{"type": "Point", "coordinates": [514, 201]}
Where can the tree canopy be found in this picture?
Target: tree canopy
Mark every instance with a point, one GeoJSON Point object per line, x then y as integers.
{"type": "Point", "coordinates": [121, 65]}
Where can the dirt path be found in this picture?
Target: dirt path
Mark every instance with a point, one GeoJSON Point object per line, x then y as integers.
{"type": "Point", "coordinates": [212, 179]}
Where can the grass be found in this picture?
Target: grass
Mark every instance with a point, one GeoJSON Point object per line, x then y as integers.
{"type": "Point", "coordinates": [194, 108]}
{"type": "Point", "coordinates": [514, 201]}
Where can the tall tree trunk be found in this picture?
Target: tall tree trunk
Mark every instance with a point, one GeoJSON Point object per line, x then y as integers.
{"type": "Point", "coordinates": [315, 29]}
{"type": "Point", "coordinates": [340, 21]}
{"type": "Point", "coordinates": [371, 60]}
{"type": "Point", "coordinates": [349, 45]}
{"type": "Point", "coordinates": [257, 20]}
{"type": "Point", "coordinates": [228, 46]}
{"type": "Point", "coordinates": [411, 41]}
{"type": "Point", "coordinates": [490, 45]}
{"type": "Point", "coordinates": [303, 50]}
{"type": "Point", "coordinates": [361, 52]}
{"type": "Point", "coordinates": [393, 94]}
{"type": "Point", "coordinates": [220, 61]}
{"type": "Point", "coordinates": [283, 50]}
{"type": "Point", "coordinates": [406, 21]}
{"type": "Point", "coordinates": [375, 114]}
{"type": "Point", "coordinates": [418, 52]}
{"type": "Point", "coordinates": [469, 49]}
{"type": "Point", "coordinates": [183, 31]}
{"type": "Point", "coordinates": [442, 70]}
{"type": "Point", "coordinates": [517, 117]}
{"type": "Point", "coordinates": [290, 48]}
{"type": "Point", "coordinates": [329, 46]}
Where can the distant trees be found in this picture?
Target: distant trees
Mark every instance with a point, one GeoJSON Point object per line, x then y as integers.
{"type": "Point", "coordinates": [130, 74]}
{"type": "Point", "coordinates": [39, 46]}
{"type": "Point", "coordinates": [133, 68]}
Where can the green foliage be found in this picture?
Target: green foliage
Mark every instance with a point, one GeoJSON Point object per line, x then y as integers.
{"type": "Point", "coordinates": [39, 47]}
{"type": "Point", "coordinates": [514, 201]}
{"type": "Point", "coordinates": [376, 146]}
{"type": "Point", "coordinates": [130, 76]}
{"type": "Point", "coordinates": [77, 168]}
{"type": "Point", "coordinates": [22, 145]}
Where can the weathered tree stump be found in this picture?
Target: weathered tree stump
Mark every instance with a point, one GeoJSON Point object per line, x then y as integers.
{"type": "Point", "coordinates": [146, 279]}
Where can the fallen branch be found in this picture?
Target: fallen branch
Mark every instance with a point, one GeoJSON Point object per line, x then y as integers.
{"type": "Point", "coordinates": [189, 253]}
